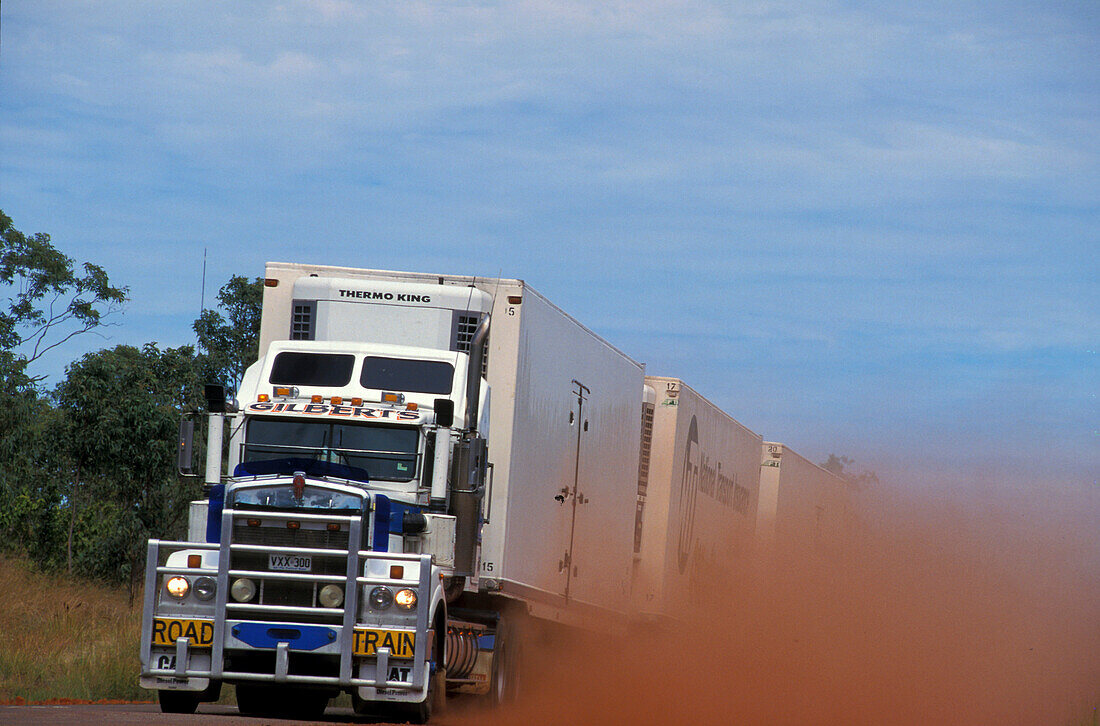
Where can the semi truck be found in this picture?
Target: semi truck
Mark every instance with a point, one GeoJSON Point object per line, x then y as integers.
{"type": "Point", "coordinates": [416, 467]}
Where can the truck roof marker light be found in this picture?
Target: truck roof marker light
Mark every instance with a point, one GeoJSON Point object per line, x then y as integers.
{"type": "Point", "coordinates": [194, 560]}
{"type": "Point", "coordinates": [397, 572]}
{"type": "Point", "coordinates": [271, 282]}
{"type": "Point", "coordinates": [412, 406]}
{"type": "Point", "coordinates": [390, 397]}
{"type": "Point", "coordinates": [263, 398]}
{"type": "Point", "coordinates": [286, 391]}
{"type": "Point", "coordinates": [337, 400]}
{"type": "Point", "coordinates": [357, 401]}
{"type": "Point", "coordinates": [293, 524]}
{"type": "Point", "coordinates": [316, 398]}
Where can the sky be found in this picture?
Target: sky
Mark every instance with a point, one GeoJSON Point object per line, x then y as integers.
{"type": "Point", "coordinates": [863, 228]}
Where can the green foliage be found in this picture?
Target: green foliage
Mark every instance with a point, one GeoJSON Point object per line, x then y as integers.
{"type": "Point", "coordinates": [121, 409]}
{"type": "Point", "coordinates": [229, 346]}
{"type": "Point", "coordinates": [87, 472]}
{"type": "Point", "coordinates": [50, 302]}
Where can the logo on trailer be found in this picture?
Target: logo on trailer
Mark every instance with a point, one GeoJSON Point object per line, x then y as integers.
{"type": "Point", "coordinates": [689, 488]}
{"type": "Point", "coordinates": [701, 474]}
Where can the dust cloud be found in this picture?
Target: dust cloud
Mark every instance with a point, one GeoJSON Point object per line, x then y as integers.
{"type": "Point", "coordinates": [939, 610]}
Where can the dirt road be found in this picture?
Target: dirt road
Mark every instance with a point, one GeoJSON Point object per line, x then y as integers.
{"type": "Point", "coordinates": [142, 713]}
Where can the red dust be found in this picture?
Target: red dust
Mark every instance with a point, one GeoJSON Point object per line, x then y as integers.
{"type": "Point", "coordinates": [982, 613]}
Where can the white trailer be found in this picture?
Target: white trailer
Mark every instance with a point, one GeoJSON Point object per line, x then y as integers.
{"type": "Point", "coordinates": [502, 460]}
{"type": "Point", "coordinates": [697, 496]}
{"type": "Point", "coordinates": [562, 425]}
{"type": "Point", "coordinates": [804, 511]}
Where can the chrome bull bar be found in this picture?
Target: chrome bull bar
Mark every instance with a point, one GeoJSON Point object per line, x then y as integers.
{"type": "Point", "coordinates": [355, 581]}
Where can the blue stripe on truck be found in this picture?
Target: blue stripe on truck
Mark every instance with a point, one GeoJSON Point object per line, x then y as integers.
{"type": "Point", "coordinates": [381, 541]}
{"type": "Point", "coordinates": [214, 513]}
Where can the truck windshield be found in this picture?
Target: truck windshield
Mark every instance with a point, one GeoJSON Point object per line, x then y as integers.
{"type": "Point", "coordinates": [355, 451]}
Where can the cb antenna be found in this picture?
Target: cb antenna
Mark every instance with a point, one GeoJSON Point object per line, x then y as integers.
{"type": "Point", "coordinates": [202, 290]}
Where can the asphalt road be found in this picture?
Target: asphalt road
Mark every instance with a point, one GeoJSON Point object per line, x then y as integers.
{"type": "Point", "coordinates": [145, 713]}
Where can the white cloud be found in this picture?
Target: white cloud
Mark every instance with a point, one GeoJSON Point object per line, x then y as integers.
{"type": "Point", "coordinates": [871, 182]}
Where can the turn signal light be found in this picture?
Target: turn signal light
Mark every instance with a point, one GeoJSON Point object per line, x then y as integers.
{"type": "Point", "coordinates": [293, 524]}
{"type": "Point", "coordinates": [397, 572]}
{"type": "Point", "coordinates": [194, 560]}
{"type": "Point", "coordinates": [333, 526]}
{"type": "Point", "coordinates": [252, 522]}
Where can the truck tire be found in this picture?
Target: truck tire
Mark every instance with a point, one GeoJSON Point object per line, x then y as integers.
{"type": "Point", "coordinates": [178, 701]}
{"type": "Point", "coordinates": [434, 702]}
{"type": "Point", "coordinates": [504, 684]}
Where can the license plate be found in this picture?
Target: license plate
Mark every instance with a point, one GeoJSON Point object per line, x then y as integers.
{"type": "Point", "coordinates": [167, 630]}
{"type": "Point", "coordinates": [400, 642]}
{"type": "Point", "coordinates": [290, 563]}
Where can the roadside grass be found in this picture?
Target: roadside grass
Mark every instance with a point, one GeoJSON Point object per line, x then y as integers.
{"type": "Point", "coordinates": [64, 638]}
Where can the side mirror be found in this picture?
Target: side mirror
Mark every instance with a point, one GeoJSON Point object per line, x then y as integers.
{"type": "Point", "coordinates": [444, 412]}
{"type": "Point", "coordinates": [185, 460]}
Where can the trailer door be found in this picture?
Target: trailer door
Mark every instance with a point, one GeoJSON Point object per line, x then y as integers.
{"type": "Point", "coordinates": [577, 419]}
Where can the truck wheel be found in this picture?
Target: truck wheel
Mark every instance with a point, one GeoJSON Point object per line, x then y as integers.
{"type": "Point", "coordinates": [433, 702]}
{"type": "Point", "coordinates": [504, 684]}
{"type": "Point", "coordinates": [178, 701]}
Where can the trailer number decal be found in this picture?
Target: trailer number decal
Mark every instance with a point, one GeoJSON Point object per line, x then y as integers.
{"type": "Point", "coordinates": [400, 642]}
{"type": "Point", "coordinates": [167, 630]}
{"type": "Point", "coordinates": [290, 563]}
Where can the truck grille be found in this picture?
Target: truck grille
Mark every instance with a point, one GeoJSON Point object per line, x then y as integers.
{"type": "Point", "coordinates": [321, 539]}
{"type": "Point", "coordinates": [285, 592]}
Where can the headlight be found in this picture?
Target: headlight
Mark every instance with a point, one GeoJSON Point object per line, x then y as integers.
{"type": "Point", "coordinates": [177, 587]}
{"type": "Point", "coordinates": [243, 589]}
{"type": "Point", "coordinates": [205, 587]}
{"type": "Point", "coordinates": [405, 599]}
{"type": "Point", "coordinates": [380, 598]}
{"type": "Point", "coordinates": [331, 596]}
